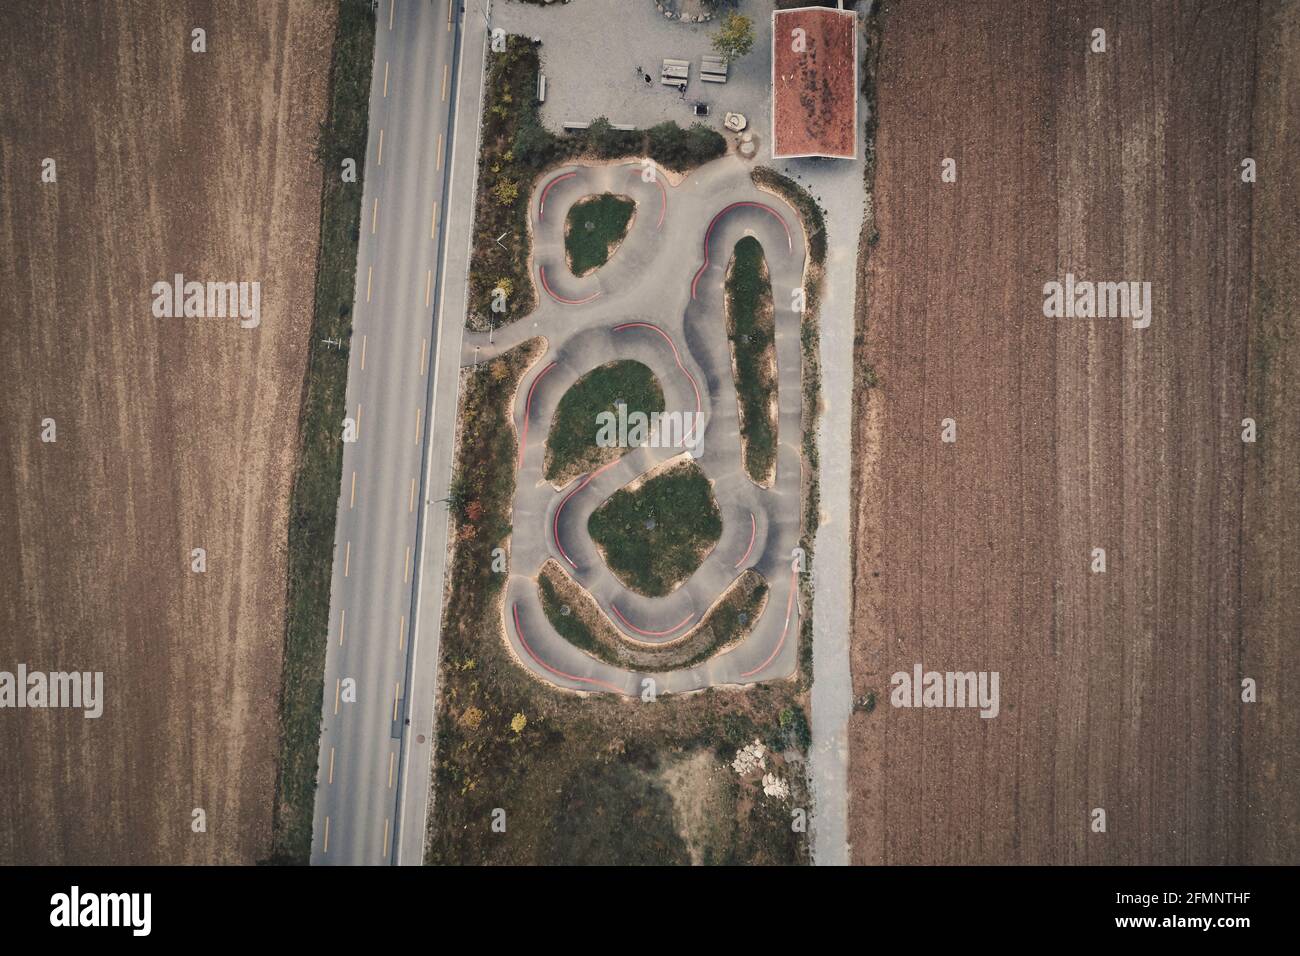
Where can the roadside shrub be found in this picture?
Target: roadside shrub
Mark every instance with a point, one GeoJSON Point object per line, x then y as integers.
{"type": "Point", "coordinates": [682, 149]}
{"type": "Point", "coordinates": [506, 191]}
{"type": "Point", "coordinates": [535, 147]}
{"type": "Point", "coordinates": [794, 728]}
{"type": "Point", "coordinates": [607, 142]}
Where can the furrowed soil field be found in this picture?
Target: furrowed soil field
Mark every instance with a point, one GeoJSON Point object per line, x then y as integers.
{"type": "Point", "coordinates": [172, 434]}
{"type": "Point", "coordinates": [1119, 690]}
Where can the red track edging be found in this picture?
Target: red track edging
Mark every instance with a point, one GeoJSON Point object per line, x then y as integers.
{"type": "Point", "coordinates": [753, 530]}
{"type": "Point", "coordinates": [533, 654]}
{"type": "Point", "coordinates": [794, 575]}
{"type": "Point", "coordinates": [528, 408]}
{"type": "Point", "coordinates": [677, 627]}
{"type": "Point", "coordinates": [555, 522]}
{"type": "Point", "coordinates": [676, 355]}
{"type": "Point", "coordinates": [541, 205]}
{"type": "Point", "coordinates": [541, 272]}
{"type": "Point", "coordinates": [709, 232]}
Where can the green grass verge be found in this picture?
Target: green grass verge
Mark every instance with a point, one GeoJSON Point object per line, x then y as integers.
{"type": "Point", "coordinates": [316, 490]}
{"type": "Point", "coordinates": [655, 537]}
{"type": "Point", "coordinates": [481, 488]}
{"type": "Point", "coordinates": [571, 448]}
{"type": "Point", "coordinates": [593, 227]}
{"type": "Point", "coordinates": [752, 330]}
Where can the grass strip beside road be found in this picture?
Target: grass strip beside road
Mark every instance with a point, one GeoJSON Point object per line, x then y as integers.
{"type": "Point", "coordinates": [314, 505]}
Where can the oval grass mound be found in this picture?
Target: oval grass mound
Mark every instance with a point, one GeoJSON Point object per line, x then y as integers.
{"type": "Point", "coordinates": [751, 330]}
{"type": "Point", "coordinates": [571, 448]}
{"type": "Point", "coordinates": [655, 532]}
{"type": "Point", "coordinates": [594, 229]}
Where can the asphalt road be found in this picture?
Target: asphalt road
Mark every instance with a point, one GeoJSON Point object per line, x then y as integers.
{"type": "Point", "coordinates": [369, 756]}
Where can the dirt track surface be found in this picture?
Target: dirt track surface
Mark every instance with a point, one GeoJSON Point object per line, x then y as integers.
{"type": "Point", "coordinates": [1118, 690]}
{"type": "Point", "coordinates": [172, 433]}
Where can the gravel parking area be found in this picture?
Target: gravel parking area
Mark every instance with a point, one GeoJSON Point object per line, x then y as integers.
{"type": "Point", "coordinates": [590, 63]}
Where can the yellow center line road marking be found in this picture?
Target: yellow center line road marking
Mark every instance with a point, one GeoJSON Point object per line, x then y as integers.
{"type": "Point", "coordinates": [338, 683]}
{"type": "Point", "coordinates": [358, 428]}
{"type": "Point", "coordinates": [385, 78]}
{"type": "Point", "coordinates": [343, 620]}
{"type": "Point", "coordinates": [347, 559]}
{"type": "Point", "coordinates": [374, 216]}
{"type": "Point", "coordinates": [438, 157]}
{"type": "Point", "coordinates": [397, 693]}
{"type": "Point", "coordinates": [401, 633]}
{"type": "Point", "coordinates": [353, 503]}
{"type": "Point", "coordinates": [428, 286]}
{"type": "Point", "coordinates": [385, 836]}
{"type": "Point", "coordinates": [392, 760]}
{"type": "Point", "coordinates": [406, 574]}
{"type": "Point", "coordinates": [446, 71]}
{"type": "Point", "coordinates": [381, 146]}
{"type": "Point", "coordinates": [331, 779]}
{"type": "Point", "coordinates": [411, 504]}
{"type": "Point", "coordinates": [451, 5]}
{"type": "Point", "coordinates": [363, 353]}
{"type": "Point", "coordinates": [424, 354]}
{"type": "Point", "coordinates": [418, 413]}
{"type": "Point", "coordinates": [326, 848]}
{"type": "Point", "coordinates": [392, 7]}
{"type": "Point", "coordinates": [433, 224]}
{"type": "Point", "coordinates": [370, 274]}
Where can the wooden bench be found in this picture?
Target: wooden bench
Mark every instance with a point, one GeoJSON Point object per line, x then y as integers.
{"type": "Point", "coordinates": [713, 69]}
{"type": "Point", "coordinates": [675, 72]}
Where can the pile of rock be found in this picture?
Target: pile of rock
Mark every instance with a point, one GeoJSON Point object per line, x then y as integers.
{"type": "Point", "coordinates": [688, 11]}
{"type": "Point", "coordinates": [774, 786]}
{"type": "Point", "coordinates": [749, 758]}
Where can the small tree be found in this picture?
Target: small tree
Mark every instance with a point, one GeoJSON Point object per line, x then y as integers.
{"type": "Point", "coordinates": [534, 145]}
{"type": "Point", "coordinates": [735, 37]}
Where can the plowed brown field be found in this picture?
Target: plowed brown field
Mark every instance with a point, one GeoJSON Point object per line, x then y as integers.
{"type": "Point", "coordinates": [1118, 690]}
{"type": "Point", "coordinates": [173, 434]}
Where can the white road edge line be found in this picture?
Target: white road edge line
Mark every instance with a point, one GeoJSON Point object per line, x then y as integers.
{"type": "Point", "coordinates": [428, 451]}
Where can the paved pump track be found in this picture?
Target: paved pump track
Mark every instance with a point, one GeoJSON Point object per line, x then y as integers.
{"type": "Point", "coordinates": [660, 301]}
